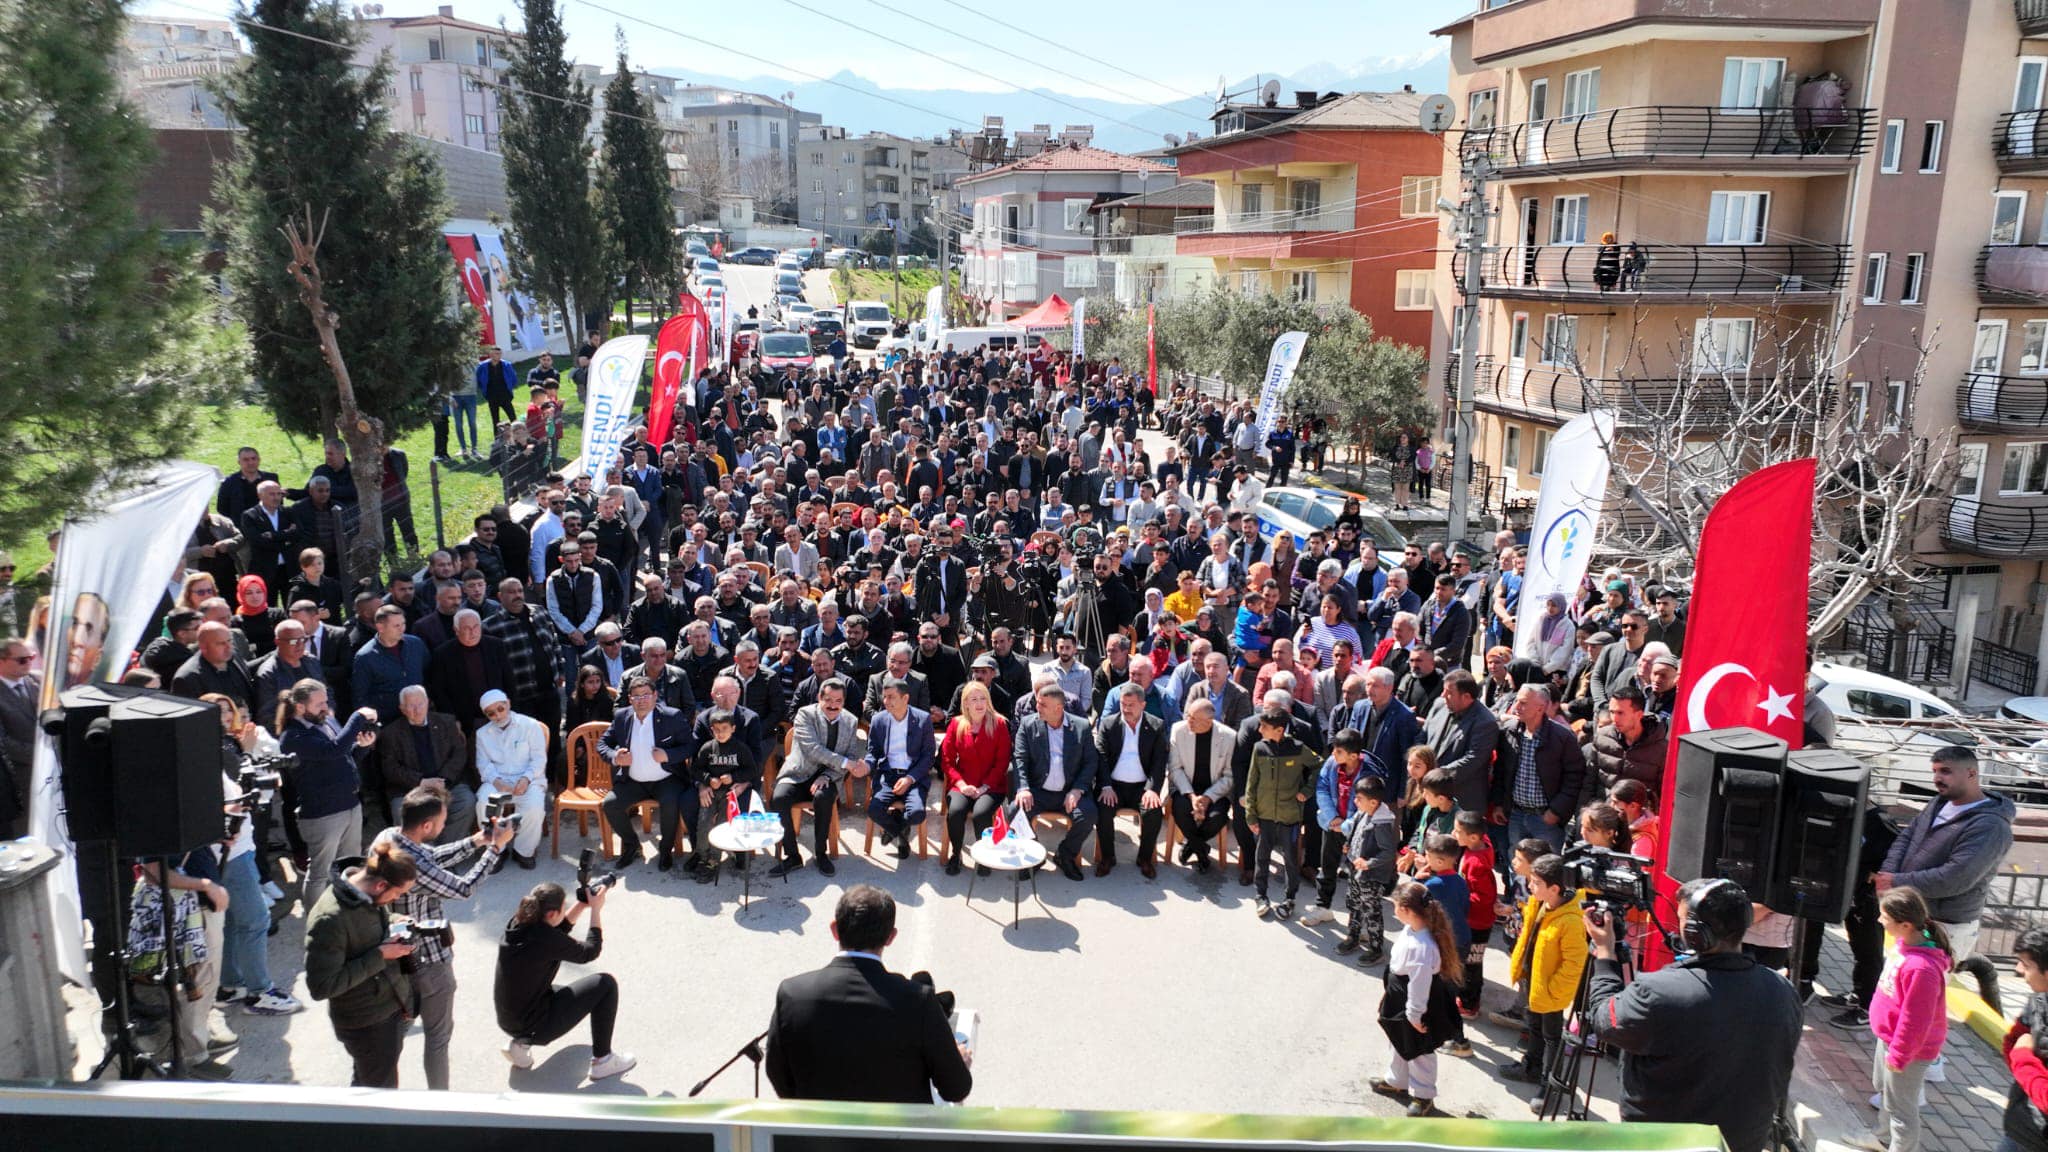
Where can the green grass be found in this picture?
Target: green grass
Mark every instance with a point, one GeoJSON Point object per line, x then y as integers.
{"type": "Point", "coordinates": [870, 284]}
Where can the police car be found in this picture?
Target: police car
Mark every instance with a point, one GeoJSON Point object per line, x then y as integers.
{"type": "Point", "coordinates": [1300, 511]}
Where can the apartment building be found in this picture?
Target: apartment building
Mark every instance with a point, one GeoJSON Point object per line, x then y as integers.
{"type": "Point", "coordinates": [1138, 237]}
{"type": "Point", "coordinates": [445, 75]}
{"type": "Point", "coordinates": [849, 186]}
{"type": "Point", "coordinates": [166, 66]}
{"type": "Point", "coordinates": [1331, 198]}
{"type": "Point", "coordinates": [1875, 169]}
{"type": "Point", "coordinates": [1031, 234]}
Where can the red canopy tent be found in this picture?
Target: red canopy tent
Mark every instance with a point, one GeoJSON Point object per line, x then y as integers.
{"type": "Point", "coordinates": [1054, 313]}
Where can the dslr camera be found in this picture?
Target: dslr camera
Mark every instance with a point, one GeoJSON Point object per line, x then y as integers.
{"type": "Point", "coordinates": [499, 808]}
{"type": "Point", "coordinates": [589, 880]}
{"type": "Point", "coordinates": [1610, 880]}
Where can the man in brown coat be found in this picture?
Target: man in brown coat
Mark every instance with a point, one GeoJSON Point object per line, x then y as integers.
{"type": "Point", "coordinates": [419, 745]}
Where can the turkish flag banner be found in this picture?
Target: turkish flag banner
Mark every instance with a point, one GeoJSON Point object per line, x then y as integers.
{"type": "Point", "coordinates": [680, 340]}
{"type": "Point", "coordinates": [1745, 634]}
{"type": "Point", "coordinates": [1151, 351]}
{"type": "Point", "coordinates": [469, 267]}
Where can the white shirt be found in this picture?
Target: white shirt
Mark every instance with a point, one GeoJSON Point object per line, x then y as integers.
{"type": "Point", "coordinates": [518, 748]}
{"type": "Point", "coordinates": [899, 743]}
{"type": "Point", "coordinates": [641, 745]}
{"type": "Point", "coordinates": [1128, 770]}
{"type": "Point", "coordinates": [1950, 810]}
{"type": "Point", "coordinates": [1056, 758]}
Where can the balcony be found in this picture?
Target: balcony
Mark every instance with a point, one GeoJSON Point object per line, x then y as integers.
{"type": "Point", "coordinates": [1533, 31]}
{"type": "Point", "coordinates": [1317, 220]}
{"type": "Point", "coordinates": [2012, 274]}
{"type": "Point", "coordinates": [1146, 245]}
{"type": "Point", "coordinates": [2033, 16]}
{"type": "Point", "coordinates": [1679, 138]}
{"type": "Point", "coordinates": [1992, 403]}
{"type": "Point", "coordinates": [2011, 531]}
{"type": "Point", "coordinates": [1812, 272]}
{"type": "Point", "coordinates": [2020, 141]}
{"type": "Point", "coordinates": [1558, 393]}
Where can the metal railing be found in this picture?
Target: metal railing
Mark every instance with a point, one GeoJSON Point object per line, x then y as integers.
{"type": "Point", "coordinates": [1329, 219]}
{"type": "Point", "coordinates": [2032, 14]}
{"type": "Point", "coordinates": [1989, 401]}
{"type": "Point", "coordinates": [1898, 750]}
{"type": "Point", "coordinates": [1662, 269]}
{"type": "Point", "coordinates": [1553, 388]}
{"type": "Point", "coordinates": [1927, 653]}
{"type": "Point", "coordinates": [2020, 140]}
{"type": "Point", "coordinates": [2003, 667]}
{"type": "Point", "coordinates": [2012, 274]}
{"type": "Point", "coordinates": [2014, 531]}
{"type": "Point", "coordinates": [1675, 134]}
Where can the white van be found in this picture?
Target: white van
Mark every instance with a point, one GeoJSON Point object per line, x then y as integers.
{"type": "Point", "coordinates": [1001, 338]}
{"type": "Point", "coordinates": [867, 323]}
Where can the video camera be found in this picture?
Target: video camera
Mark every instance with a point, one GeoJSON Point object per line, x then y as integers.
{"type": "Point", "coordinates": [499, 808]}
{"type": "Point", "coordinates": [259, 778]}
{"type": "Point", "coordinates": [1615, 881]}
{"type": "Point", "coordinates": [589, 881]}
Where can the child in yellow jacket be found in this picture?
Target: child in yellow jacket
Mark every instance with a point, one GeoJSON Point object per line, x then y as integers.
{"type": "Point", "coordinates": [1549, 957]}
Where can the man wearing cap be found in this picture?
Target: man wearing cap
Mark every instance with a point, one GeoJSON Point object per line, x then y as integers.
{"type": "Point", "coordinates": [984, 671]}
{"type": "Point", "coordinates": [512, 760]}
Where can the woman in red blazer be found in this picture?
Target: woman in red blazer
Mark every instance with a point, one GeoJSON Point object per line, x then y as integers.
{"type": "Point", "coordinates": [976, 757]}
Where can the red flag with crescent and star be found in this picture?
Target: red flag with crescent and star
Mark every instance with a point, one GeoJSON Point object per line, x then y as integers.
{"type": "Point", "coordinates": [469, 267]}
{"type": "Point", "coordinates": [1745, 633]}
{"type": "Point", "coordinates": [678, 344]}
{"type": "Point", "coordinates": [1001, 828]}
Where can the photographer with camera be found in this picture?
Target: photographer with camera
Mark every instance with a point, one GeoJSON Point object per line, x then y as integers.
{"type": "Point", "coordinates": [1681, 1063]}
{"type": "Point", "coordinates": [423, 814]}
{"type": "Point", "coordinates": [352, 954]}
{"type": "Point", "coordinates": [532, 1008]}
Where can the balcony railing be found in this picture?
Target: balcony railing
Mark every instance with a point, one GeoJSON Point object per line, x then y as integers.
{"type": "Point", "coordinates": [2012, 274]}
{"type": "Point", "coordinates": [2008, 530]}
{"type": "Point", "coordinates": [2020, 141]}
{"type": "Point", "coordinates": [2033, 16]}
{"type": "Point", "coordinates": [1678, 136]}
{"type": "Point", "coordinates": [1317, 220]}
{"type": "Point", "coordinates": [1661, 270]}
{"type": "Point", "coordinates": [1993, 402]}
{"type": "Point", "coordinates": [1545, 388]}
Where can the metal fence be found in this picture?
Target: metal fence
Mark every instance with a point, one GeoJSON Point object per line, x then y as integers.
{"type": "Point", "coordinates": [2003, 667]}
{"type": "Point", "coordinates": [1789, 270]}
{"type": "Point", "coordinates": [1674, 133]}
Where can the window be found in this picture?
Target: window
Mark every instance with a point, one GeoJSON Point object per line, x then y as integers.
{"type": "Point", "coordinates": [1074, 214]}
{"type": "Point", "coordinates": [817, 157]}
{"type": "Point", "coordinates": [1859, 403]}
{"type": "Point", "coordinates": [2008, 213]}
{"type": "Point", "coordinates": [1894, 145]}
{"type": "Point", "coordinates": [1930, 145]}
{"type": "Point", "coordinates": [1873, 278]}
{"type": "Point", "coordinates": [1511, 448]}
{"type": "Point", "coordinates": [818, 213]}
{"type": "Point", "coordinates": [473, 124]}
{"type": "Point", "coordinates": [1078, 271]}
{"type": "Point", "coordinates": [1412, 290]}
{"type": "Point", "coordinates": [1916, 270]}
{"type": "Point", "coordinates": [1539, 447]}
{"type": "Point", "coordinates": [1970, 470]}
{"type": "Point", "coordinates": [416, 81]}
{"type": "Point", "coordinates": [1568, 220]}
{"type": "Point", "coordinates": [483, 51]}
{"type": "Point", "coordinates": [1737, 217]}
{"type": "Point", "coordinates": [775, 136]}
{"type": "Point", "coordinates": [1305, 198]}
{"type": "Point", "coordinates": [1751, 81]}
{"type": "Point", "coordinates": [1480, 106]}
{"type": "Point", "coordinates": [434, 49]}
{"type": "Point", "coordinates": [1879, 705]}
{"type": "Point", "coordinates": [817, 186]}
{"type": "Point", "coordinates": [419, 123]}
{"type": "Point", "coordinates": [1248, 281]}
{"type": "Point", "coordinates": [1560, 340]}
{"type": "Point", "coordinates": [2025, 471]}
{"type": "Point", "coordinates": [846, 157]}
{"type": "Point", "coordinates": [1419, 195]}
{"type": "Point", "coordinates": [1581, 93]}
{"type": "Point", "coordinates": [1302, 286]}
{"type": "Point", "coordinates": [471, 83]}
{"type": "Point", "coordinates": [2034, 348]}
{"type": "Point", "coordinates": [1723, 344]}
{"type": "Point", "coordinates": [1894, 405]}
{"type": "Point", "coordinates": [1020, 269]}
{"type": "Point", "coordinates": [1251, 199]}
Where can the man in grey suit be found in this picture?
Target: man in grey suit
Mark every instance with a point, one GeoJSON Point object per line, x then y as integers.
{"type": "Point", "coordinates": [19, 690]}
{"type": "Point", "coordinates": [898, 669]}
{"type": "Point", "coordinates": [1229, 702]}
{"type": "Point", "coordinates": [1052, 767]}
{"type": "Point", "coordinates": [1463, 733]}
{"type": "Point", "coordinates": [827, 745]}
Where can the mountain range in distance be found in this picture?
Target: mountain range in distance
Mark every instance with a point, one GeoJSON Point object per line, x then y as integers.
{"type": "Point", "coordinates": [858, 104]}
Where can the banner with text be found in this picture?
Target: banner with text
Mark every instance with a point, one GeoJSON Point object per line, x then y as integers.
{"type": "Point", "coordinates": [608, 414]}
{"type": "Point", "coordinates": [1080, 333]}
{"type": "Point", "coordinates": [513, 315]}
{"type": "Point", "coordinates": [1280, 366]}
{"type": "Point", "coordinates": [1567, 520]}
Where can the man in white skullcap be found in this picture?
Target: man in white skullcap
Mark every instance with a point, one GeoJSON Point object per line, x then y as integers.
{"type": "Point", "coordinates": [512, 759]}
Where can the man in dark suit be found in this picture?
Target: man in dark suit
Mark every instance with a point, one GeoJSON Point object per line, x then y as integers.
{"type": "Point", "coordinates": [419, 745]}
{"type": "Point", "coordinates": [1130, 758]}
{"type": "Point", "coordinates": [940, 665]}
{"type": "Point", "coordinates": [1388, 726]}
{"type": "Point", "coordinates": [853, 1030]}
{"type": "Point", "coordinates": [901, 749]}
{"type": "Point", "coordinates": [1463, 734]}
{"type": "Point", "coordinates": [1447, 624]}
{"type": "Point", "coordinates": [273, 536]}
{"type": "Point", "coordinates": [1052, 767]}
{"type": "Point", "coordinates": [19, 689]}
{"type": "Point", "coordinates": [465, 668]}
{"type": "Point", "coordinates": [326, 644]}
{"type": "Point", "coordinates": [648, 746]}
{"type": "Point", "coordinates": [940, 598]}
{"type": "Point", "coordinates": [898, 668]}
{"type": "Point", "coordinates": [612, 655]}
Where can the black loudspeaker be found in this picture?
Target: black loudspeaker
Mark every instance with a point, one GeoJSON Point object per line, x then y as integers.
{"type": "Point", "coordinates": [1724, 816]}
{"type": "Point", "coordinates": [1820, 834]}
{"type": "Point", "coordinates": [86, 755]}
{"type": "Point", "coordinates": [165, 755]}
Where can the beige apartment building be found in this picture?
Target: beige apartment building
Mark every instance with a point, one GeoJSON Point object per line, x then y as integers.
{"type": "Point", "coordinates": [1871, 172]}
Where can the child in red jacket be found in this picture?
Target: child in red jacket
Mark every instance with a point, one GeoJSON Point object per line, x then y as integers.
{"type": "Point", "coordinates": [1909, 1014]}
{"type": "Point", "coordinates": [2027, 1100]}
{"type": "Point", "coordinates": [1477, 869]}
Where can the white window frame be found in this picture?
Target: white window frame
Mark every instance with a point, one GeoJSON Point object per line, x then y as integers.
{"type": "Point", "coordinates": [1712, 334]}
{"type": "Point", "coordinates": [473, 122]}
{"type": "Point", "coordinates": [1719, 205]}
{"type": "Point", "coordinates": [1078, 272]}
{"type": "Point", "coordinates": [1915, 277]}
{"type": "Point", "coordinates": [1511, 448]}
{"type": "Point", "coordinates": [1894, 146]}
{"type": "Point", "coordinates": [1539, 447]}
{"type": "Point", "coordinates": [1971, 460]}
{"type": "Point", "coordinates": [416, 81]}
{"type": "Point", "coordinates": [1414, 290]}
{"type": "Point", "coordinates": [1248, 281]}
{"type": "Point", "coordinates": [1874, 268]}
{"type": "Point", "coordinates": [2033, 348]}
{"type": "Point", "coordinates": [1859, 403]}
{"type": "Point", "coordinates": [1419, 195]}
{"type": "Point", "coordinates": [2019, 219]}
{"type": "Point", "coordinates": [1894, 405]}
{"type": "Point", "coordinates": [1074, 213]}
{"type": "Point", "coordinates": [1301, 286]}
{"type": "Point", "coordinates": [2032, 457]}
{"type": "Point", "coordinates": [1566, 211]}
{"type": "Point", "coordinates": [1581, 94]}
{"type": "Point", "coordinates": [1933, 133]}
{"type": "Point", "coordinates": [1251, 199]}
{"type": "Point", "coordinates": [1760, 96]}
{"type": "Point", "coordinates": [1295, 206]}
{"type": "Point", "coordinates": [1560, 340]}
{"type": "Point", "coordinates": [1482, 108]}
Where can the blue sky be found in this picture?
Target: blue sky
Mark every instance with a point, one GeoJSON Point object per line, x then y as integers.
{"type": "Point", "coordinates": [1163, 57]}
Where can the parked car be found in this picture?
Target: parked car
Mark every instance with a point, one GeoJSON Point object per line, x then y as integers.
{"type": "Point", "coordinates": [781, 350]}
{"type": "Point", "coordinates": [798, 315]}
{"type": "Point", "coordinates": [824, 330]}
{"type": "Point", "coordinates": [808, 258]}
{"type": "Point", "coordinates": [703, 265]}
{"type": "Point", "coordinates": [1299, 511]}
{"type": "Point", "coordinates": [754, 255]}
{"type": "Point", "coordinates": [840, 258]}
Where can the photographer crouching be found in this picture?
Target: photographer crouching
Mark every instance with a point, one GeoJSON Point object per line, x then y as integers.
{"type": "Point", "coordinates": [532, 1008]}
{"type": "Point", "coordinates": [1681, 1063]}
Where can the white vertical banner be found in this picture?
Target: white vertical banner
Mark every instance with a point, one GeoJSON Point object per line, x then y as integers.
{"type": "Point", "coordinates": [113, 567]}
{"type": "Point", "coordinates": [935, 313]}
{"type": "Point", "coordinates": [1280, 366]}
{"type": "Point", "coordinates": [614, 382]}
{"type": "Point", "coordinates": [1080, 336]}
{"type": "Point", "coordinates": [1567, 520]}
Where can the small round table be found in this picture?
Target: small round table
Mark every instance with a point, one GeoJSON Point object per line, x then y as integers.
{"type": "Point", "coordinates": [743, 841]}
{"type": "Point", "coordinates": [1020, 856]}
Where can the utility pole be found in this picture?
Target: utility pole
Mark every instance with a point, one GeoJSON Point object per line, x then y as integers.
{"type": "Point", "coordinates": [1472, 217]}
{"type": "Point", "coordinates": [932, 324]}
{"type": "Point", "coordinates": [896, 262]}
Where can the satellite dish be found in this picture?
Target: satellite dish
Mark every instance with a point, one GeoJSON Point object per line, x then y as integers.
{"type": "Point", "coordinates": [1222, 89]}
{"type": "Point", "coordinates": [1173, 139]}
{"type": "Point", "coordinates": [1437, 113]}
{"type": "Point", "coordinates": [1269, 93]}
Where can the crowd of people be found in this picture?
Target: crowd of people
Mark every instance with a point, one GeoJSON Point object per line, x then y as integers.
{"type": "Point", "coordinates": [839, 589]}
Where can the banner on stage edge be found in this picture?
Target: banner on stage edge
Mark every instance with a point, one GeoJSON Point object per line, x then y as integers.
{"type": "Point", "coordinates": [1567, 521]}
{"type": "Point", "coordinates": [614, 381]}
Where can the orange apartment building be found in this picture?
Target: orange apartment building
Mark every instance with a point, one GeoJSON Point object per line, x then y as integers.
{"type": "Point", "coordinates": [1783, 167]}
{"type": "Point", "coordinates": [1329, 199]}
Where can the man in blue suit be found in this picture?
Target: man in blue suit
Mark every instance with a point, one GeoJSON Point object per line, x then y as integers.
{"type": "Point", "coordinates": [900, 751]}
{"type": "Point", "coordinates": [1388, 727]}
{"type": "Point", "coordinates": [1052, 767]}
{"type": "Point", "coordinates": [648, 746]}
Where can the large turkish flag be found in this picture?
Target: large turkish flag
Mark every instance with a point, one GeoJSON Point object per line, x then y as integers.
{"type": "Point", "coordinates": [469, 267]}
{"type": "Point", "coordinates": [1745, 634]}
{"type": "Point", "coordinates": [679, 352]}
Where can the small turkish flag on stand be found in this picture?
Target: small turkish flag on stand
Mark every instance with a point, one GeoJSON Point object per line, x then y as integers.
{"type": "Point", "coordinates": [732, 804]}
{"type": "Point", "coordinates": [1002, 825]}
{"type": "Point", "coordinates": [1745, 636]}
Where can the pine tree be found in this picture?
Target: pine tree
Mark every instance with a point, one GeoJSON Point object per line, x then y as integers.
{"type": "Point", "coordinates": [108, 334]}
{"type": "Point", "coordinates": [633, 189]}
{"type": "Point", "coordinates": [544, 110]}
{"type": "Point", "coordinates": [317, 141]}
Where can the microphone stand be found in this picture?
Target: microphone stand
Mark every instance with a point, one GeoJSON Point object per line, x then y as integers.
{"type": "Point", "coordinates": [751, 1050]}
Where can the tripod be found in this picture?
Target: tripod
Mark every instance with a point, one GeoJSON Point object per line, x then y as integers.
{"type": "Point", "coordinates": [1087, 620]}
{"type": "Point", "coordinates": [751, 1050]}
{"type": "Point", "coordinates": [1561, 1096]}
{"type": "Point", "coordinates": [124, 1048]}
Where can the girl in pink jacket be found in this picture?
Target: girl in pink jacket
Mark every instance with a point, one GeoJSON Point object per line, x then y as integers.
{"type": "Point", "coordinates": [1909, 1014]}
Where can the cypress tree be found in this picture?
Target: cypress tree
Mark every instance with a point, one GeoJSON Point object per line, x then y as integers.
{"type": "Point", "coordinates": [544, 111]}
{"type": "Point", "coordinates": [633, 189]}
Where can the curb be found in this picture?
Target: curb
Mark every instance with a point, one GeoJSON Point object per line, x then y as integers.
{"type": "Point", "coordinates": [1969, 1009]}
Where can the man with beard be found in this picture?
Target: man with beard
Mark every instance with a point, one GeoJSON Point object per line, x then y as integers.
{"type": "Point", "coordinates": [943, 670]}
{"type": "Point", "coordinates": [858, 658]}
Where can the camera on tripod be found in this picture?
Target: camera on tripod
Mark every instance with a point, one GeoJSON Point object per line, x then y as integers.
{"type": "Point", "coordinates": [589, 881]}
{"type": "Point", "coordinates": [500, 809]}
{"type": "Point", "coordinates": [1606, 879]}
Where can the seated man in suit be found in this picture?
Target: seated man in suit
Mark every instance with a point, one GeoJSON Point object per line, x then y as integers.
{"type": "Point", "coordinates": [1130, 756]}
{"type": "Point", "coordinates": [649, 747]}
{"type": "Point", "coordinates": [671, 687]}
{"type": "Point", "coordinates": [422, 745]}
{"type": "Point", "coordinates": [827, 746]}
{"type": "Point", "coordinates": [900, 752]}
{"type": "Point", "coordinates": [853, 1030]}
{"type": "Point", "coordinates": [1052, 766]}
{"type": "Point", "coordinates": [898, 668]}
{"type": "Point", "coordinates": [1199, 774]}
